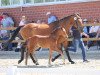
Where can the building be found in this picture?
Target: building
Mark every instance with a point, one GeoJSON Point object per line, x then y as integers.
{"type": "Point", "coordinates": [36, 9]}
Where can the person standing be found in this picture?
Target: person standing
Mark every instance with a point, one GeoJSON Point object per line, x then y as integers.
{"type": "Point", "coordinates": [98, 36]}
{"type": "Point", "coordinates": [77, 41]}
{"type": "Point", "coordinates": [51, 17]}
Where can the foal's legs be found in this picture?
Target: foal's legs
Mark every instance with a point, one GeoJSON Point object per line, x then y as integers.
{"type": "Point", "coordinates": [61, 53]}
{"type": "Point", "coordinates": [58, 50]}
{"type": "Point", "coordinates": [67, 53]}
{"type": "Point", "coordinates": [22, 55]}
{"type": "Point", "coordinates": [50, 56]}
{"type": "Point", "coordinates": [26, 57]}
{"type": "Point", "coordinates": [34, 60]}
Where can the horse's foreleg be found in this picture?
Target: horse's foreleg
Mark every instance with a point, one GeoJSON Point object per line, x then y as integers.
{"type": "Point", "coordinates": [70, 60]}
{"type": "Point", "coordinates": [34, 61]}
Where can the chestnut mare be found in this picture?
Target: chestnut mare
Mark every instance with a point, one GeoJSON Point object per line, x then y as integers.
{"type": "Point", "coordinates": [32, 29]}
{"type": "Point", "coordinates": [46, 42]}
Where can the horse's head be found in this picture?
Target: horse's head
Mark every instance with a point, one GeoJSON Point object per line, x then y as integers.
{"type": "Point", "coordinates": [59, 31]}
{"type": "Point", "coordinates": [77, 22]}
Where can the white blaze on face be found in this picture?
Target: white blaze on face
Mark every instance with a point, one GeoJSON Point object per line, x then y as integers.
{"type": "Point", "coordinates": [63, 29]}
{"type": "Point", "coordinates": [75, 18]}
{"type": "Point", "coordinates": [65, 33]}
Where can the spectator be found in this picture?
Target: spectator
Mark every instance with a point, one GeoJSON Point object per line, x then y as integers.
{"type": "Point", "coordinates": [93, 32]}
{"type": "Point", "coordinates": [98, 36]}
{"type": "Point", "coordinates": [98, 33]}
{"type": "Point", "coordinates": [51, 18]}
{"type": "Point", "coordinates": [0, 32]}
{"type": "Point", "coordinates": [23, 21]}
{"type": "Point", "coordinates": [77, 40]}
{"type": "Point", "coordinates": [86, 28]}
{"type": "Point", "coordinates": [18, 45]}
{"type": "Point", "coordinates": [21, 24]}
{"type": "Point", "coordinates": [39, 21]}
{"type": "Point", "coordinates": [7, 22]}
{"type": "Point", "coordinates": [0, 20]}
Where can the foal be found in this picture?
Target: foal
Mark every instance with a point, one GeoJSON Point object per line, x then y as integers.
{"type": "Point", "coordinates": [46, 42]}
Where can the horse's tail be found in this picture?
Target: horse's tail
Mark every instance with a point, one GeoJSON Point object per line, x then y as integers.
{"type": "Point", "coordinates": [13, 36]}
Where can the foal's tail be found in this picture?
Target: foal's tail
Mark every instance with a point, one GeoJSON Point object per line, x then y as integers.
{"type": "Point", "coordinates": [13, 36]}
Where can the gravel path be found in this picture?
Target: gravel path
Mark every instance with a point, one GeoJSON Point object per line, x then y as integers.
{"type": "Point", "coordinates": [9, 59]}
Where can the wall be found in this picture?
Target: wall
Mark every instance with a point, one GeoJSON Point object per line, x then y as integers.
{"type": "Point", "coordinates": [89, 10]}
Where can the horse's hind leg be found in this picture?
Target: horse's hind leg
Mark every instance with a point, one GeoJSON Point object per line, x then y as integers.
{"type": "Point", "coordinates": [34, 60]}
{"type": "Point", "coordinates": [22, 53]}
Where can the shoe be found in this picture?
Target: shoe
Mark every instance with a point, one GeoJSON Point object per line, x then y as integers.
{"type": "Point", "coordinates": [86, 61]}
{"type": "Point", "coordinates": [88, 46]}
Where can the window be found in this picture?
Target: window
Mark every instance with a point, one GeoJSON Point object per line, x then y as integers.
{"type": "Point", "coordinates": [28, 1]}
{"type": "Point", "coordinates": [49, 0]}
{"type": "Point", "coordinates": [5, 2]}
{"type": "Point", "coordinates": [38, 1]}
{"type": "Point", "coordinates": [11, 3]}
{"type": "Point", "coordinates": [15, 1]}
{"type": "Point", "coordinates": [60, 0]}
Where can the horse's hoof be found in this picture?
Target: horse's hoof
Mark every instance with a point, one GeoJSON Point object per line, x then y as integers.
{"type": "Point", "coordinates": [64, 63]}
{"type": "Point", "coordinates": [72, 62]}
{"type": "Point", "coordinates": [52, 60]}
{"type": "Point", "coordinates": [19, 61]}
{"type": "Point", "coordinates": [37, 63]}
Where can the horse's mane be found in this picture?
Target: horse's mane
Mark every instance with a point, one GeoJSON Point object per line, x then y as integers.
{"type": "Point", "coordinates": [55, 30]}
{"type": "Point", "coordinates": [67, 17]}
{"type": "Point", "coordinates": [56, 23]}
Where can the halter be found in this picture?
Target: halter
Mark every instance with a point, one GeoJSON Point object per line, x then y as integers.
{"type": "Point", "coordinates": [77, 24]}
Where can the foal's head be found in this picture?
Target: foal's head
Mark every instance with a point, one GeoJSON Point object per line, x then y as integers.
{"type": "Point", "coordinates": [59, 31]}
